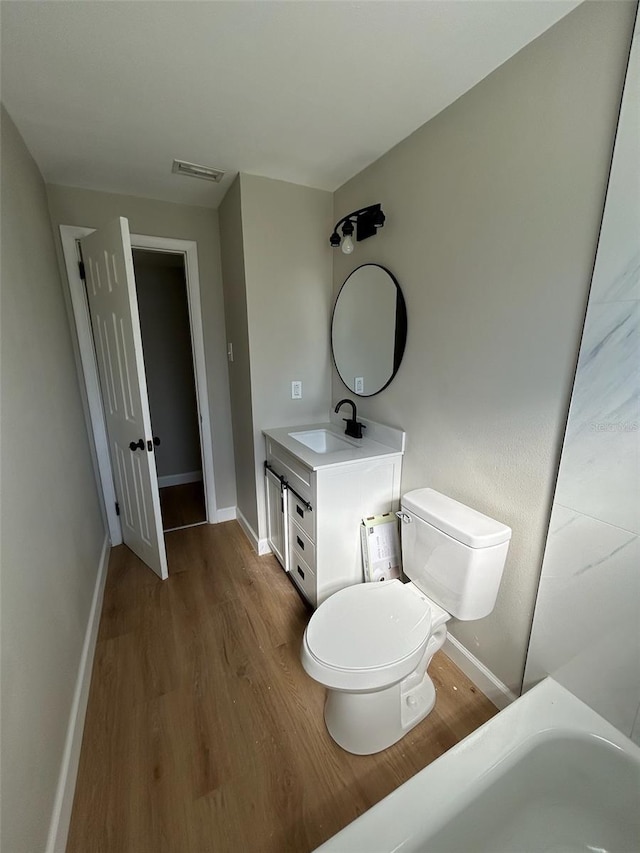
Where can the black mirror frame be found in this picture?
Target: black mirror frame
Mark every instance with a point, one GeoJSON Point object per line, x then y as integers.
{"type": "Point", "coordinates": [400, 330]}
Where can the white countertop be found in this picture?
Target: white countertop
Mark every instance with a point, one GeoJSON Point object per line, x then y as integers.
{"type": "Point", "coordinates": [358, 449]}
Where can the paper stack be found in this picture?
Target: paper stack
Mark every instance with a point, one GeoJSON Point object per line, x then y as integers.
{"type": "Point", "coordinates": [380, 547]}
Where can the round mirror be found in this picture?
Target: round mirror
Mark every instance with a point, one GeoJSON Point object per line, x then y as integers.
{"type": "Point", "coordinates": [368, 330]}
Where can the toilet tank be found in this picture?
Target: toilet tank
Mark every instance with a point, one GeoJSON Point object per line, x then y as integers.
{"type": "Point", "coordinates": [452, 553]}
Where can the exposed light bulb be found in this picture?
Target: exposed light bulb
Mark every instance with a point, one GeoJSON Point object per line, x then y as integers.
{"type": "Point", "coordinates": [347, 245]}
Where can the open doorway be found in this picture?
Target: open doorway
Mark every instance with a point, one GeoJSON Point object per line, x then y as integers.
{"type": "Point", "coordinates": [180, 505]}
{"type": "Point", "coordinates": [166, 342]}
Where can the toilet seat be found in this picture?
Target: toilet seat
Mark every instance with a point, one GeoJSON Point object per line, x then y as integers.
{"type": "Point", "coordinates": [368, 636]}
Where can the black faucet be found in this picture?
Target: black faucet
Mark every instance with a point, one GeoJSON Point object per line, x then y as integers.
{"type": "Point", "coordinates": [354, 428]}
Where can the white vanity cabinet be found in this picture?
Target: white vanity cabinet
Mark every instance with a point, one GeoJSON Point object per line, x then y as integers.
{"type": "Point", "coordinates": [316, 536]}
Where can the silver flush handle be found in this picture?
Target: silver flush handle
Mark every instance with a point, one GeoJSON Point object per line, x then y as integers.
{"type": "Point", "coordinates": [404, 517]}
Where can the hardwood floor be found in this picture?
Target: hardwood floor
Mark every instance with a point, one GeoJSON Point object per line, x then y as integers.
{"type": "Point", "coordinates": [182, 505]}
{"type": "Point", "coordinates": [204, 733]}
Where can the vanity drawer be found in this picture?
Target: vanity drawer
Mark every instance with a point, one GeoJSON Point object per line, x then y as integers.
{"type": "Point", "coordinates": [297, 474]}
{"type": "Point", "coordinates": [303, 576]}
{"type": "Point", "coordinates": [301, 543]}
{"type": "Point", "coordinates": [302, 516]}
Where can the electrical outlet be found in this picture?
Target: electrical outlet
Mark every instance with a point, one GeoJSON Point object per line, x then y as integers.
{"type": "Point", "coordinates": [296, 389]}
{"type": "Point", "coordinates": [358, 385]}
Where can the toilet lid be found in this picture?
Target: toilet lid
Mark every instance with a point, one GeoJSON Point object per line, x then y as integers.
{"type": "Point", "coordinates": [369, 625]}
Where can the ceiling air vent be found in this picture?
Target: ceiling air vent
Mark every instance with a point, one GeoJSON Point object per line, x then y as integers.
{"type": "Point", "coordinates": [206, 173]}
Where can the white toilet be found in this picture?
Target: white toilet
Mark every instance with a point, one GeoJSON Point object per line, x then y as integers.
{"type": "Point", "coordinates": [371, 644]}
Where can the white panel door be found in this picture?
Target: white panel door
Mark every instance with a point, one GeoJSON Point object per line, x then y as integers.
{"type": "Point", "coordinates": [113, 306]}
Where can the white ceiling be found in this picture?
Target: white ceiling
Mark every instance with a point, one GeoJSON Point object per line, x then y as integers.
{"type": "Point", "coordinates": [107, 94]}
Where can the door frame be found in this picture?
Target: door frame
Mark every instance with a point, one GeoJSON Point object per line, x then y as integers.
{"type": "Point", "coordinates": [70, 235]}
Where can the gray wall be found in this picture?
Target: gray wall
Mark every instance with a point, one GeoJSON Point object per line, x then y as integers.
{"type": "Point", "coordinates": [277, 274]}
{"type": "Point", "coordinates": [235, 305]}
{"type": "Point", "coordinates": [52, 530]}
{"type": "Point", "coordinates": [586, 628]}
{"type": "Point", "coordinates": [287, 262]}
{"type": "Point", "coordinates": [168, 362]}
{"type": "Point", "coordinates": [73, 206]}
{"type": "Point", "coordinates": [493, 210]}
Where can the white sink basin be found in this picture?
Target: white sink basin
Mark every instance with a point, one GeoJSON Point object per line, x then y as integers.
{"type": "Point", "coordinates": [321, 440]}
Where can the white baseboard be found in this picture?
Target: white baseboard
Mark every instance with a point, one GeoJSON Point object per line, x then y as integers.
{"type": "Point", "coordinates": [257, 544]}
{"type": "Point", "coordinates": [260, 546]}
{"type": "Point", "coordinates": [227, 513]}
{"type": "Point", "coordinates": [61, 815]}
{"type": "Point", "coordinates": [179, 479]}
{"type": "Point", "coordinates": [483, 678]}
{"type": "Point", "coordinates": [248, 530]}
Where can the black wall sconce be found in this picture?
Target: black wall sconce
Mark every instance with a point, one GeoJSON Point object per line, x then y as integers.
{"type": "Point", "coordinates": [367, 221]}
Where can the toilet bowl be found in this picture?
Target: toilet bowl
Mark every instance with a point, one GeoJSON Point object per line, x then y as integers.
{"type": "Point", "coordinates": [370, 644]}
{"type": "Point", "coordinates": [371, 649]}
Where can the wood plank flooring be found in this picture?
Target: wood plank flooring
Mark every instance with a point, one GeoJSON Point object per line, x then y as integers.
{"type": "Point", "coordinates": [182, 505]}
{"type": "Point", "coordinates": [204, 733]}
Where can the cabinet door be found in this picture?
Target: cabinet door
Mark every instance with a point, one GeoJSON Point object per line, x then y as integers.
{"type": "Point", "coordinates": [277, 518]}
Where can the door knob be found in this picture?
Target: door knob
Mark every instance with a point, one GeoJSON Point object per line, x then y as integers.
{"type": "Point", "coordinates": [136, 445]}
{"type": "Point", "coordinates": [156, 440]}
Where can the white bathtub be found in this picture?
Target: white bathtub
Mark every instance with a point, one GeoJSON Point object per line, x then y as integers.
{"type": "Point", "coordinates": [546, 774]}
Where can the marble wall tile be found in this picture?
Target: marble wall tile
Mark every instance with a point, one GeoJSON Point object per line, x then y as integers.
{"type": "Point", "coordinates": [585, 629]}
{"type": "Point", "coordinates": [635, 731]}
{"type": "Point", "coordinates": [586, 625]}
{"type": "Point", "coordinates": [616, 273]}
{"type": "Point", "coordinates": [624, 282]}
{"type": "Point", "coordinates": [600, 467]}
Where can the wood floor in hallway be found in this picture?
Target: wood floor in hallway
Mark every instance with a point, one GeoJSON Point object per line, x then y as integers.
{"type": "Point", "coordinates": [182, 505]}
{"type": "Point", "coordinates": [203, 732]}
